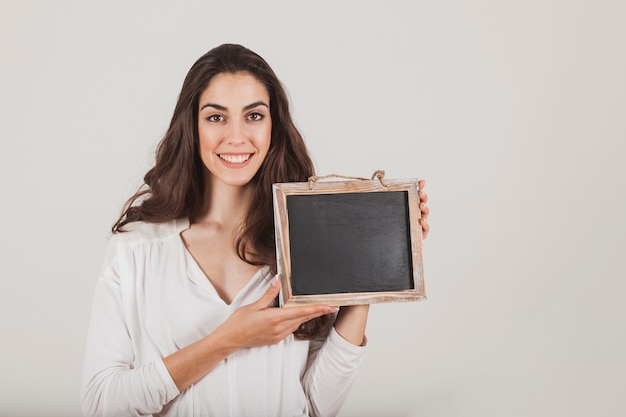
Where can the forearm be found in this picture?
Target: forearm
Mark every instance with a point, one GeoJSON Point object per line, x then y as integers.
{"type": "Point", "coordinates": [188, 365]}
{"type": "Point", "coordinates": [351, 322]}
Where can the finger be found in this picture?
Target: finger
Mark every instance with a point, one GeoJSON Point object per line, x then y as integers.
{"type": "Point", "coordinates": [306, 313]}
{"type": "Point", "coordinates": [269, 296]}
{"type": "Point", "coordinates": [293, 324]}
{"type": "Point", "coordinates": [316, 315]}
{"type": "Point", "coordinates": [425, 211]}
{"type": "Point", "coordinates": [420, 189]}
{"type": "Point", "coordinates": [425, 228]}
{"type": "Point", "coordinates": [282, 322]}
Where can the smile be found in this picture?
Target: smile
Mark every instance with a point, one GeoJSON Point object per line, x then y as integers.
{"type": "Point", "coordinates": [235, 158]}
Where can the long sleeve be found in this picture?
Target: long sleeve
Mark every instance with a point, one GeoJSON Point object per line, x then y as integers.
{"type": "Point", "coordinates": [112, 386]}
{"type": "Point", "coordinates": [331, 371]}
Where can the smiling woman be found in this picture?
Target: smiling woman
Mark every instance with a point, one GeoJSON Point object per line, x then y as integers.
{"type": "Point", "coordinates": [234, 129]}
{"type": "Point", "coordinates": [184, 320]}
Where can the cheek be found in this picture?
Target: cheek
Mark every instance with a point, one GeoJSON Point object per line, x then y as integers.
{"type": "Point", "coordinates": [267, 138]}
{"type": "Point", "coordinates": [205, 149]}
{"type": "Point", "coordinates": [206, 140]}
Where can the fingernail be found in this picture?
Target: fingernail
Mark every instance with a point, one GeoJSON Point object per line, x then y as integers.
{"type": "Point", "coordinates": [275, 281]}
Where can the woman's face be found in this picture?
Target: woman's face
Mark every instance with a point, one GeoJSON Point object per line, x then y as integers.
{"type": "Point", "coordinates": [234, 127]}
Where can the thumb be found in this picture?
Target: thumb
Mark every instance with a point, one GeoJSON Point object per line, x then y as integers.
{"type": "Point", "coordinates": [271, 293]}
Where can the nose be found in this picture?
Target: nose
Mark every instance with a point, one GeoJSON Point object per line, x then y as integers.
{"type": "Point", "coordinates": [236, 133]}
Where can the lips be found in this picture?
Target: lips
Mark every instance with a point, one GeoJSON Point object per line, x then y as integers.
{"type": "Point", "coordinates": [235, 158]}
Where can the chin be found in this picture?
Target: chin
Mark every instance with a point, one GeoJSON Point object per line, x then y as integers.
{"type": "Point", "coordinates": [230, 177]}
{"type": "Point", "coordinates": [237, 180]}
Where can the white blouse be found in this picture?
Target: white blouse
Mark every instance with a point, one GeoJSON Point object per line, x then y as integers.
{"type": "Point", "coordinates": [152, 299]}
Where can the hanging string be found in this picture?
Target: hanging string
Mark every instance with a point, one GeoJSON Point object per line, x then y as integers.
{"type": "Point", "coordinates": [378, 174]}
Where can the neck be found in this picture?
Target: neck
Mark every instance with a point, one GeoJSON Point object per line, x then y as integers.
{"type": "Point", "coordinates": [224, 204]}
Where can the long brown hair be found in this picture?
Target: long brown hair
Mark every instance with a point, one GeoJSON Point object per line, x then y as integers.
{"type": "Point", "coordinates": [174, 187]}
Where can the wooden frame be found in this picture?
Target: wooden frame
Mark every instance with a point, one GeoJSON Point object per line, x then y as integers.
{"type": "Point", "coordinates": [288, 199]}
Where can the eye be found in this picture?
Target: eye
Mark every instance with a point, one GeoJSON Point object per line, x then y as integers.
{"type": "Point", "coordinates": [255, 116]}
{"type": "Point", "coordinates": [215, 118]}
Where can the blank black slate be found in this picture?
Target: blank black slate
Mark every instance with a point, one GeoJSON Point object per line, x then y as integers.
{"type": "Point", "coordinates": [350, 242]}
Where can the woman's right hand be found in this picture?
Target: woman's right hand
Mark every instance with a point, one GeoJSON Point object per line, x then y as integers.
{"type": "Point", "coordinates": [258, 324]}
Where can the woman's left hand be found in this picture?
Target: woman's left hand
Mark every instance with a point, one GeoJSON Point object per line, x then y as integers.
{"type": "Point", "coordinates": [423, 208]}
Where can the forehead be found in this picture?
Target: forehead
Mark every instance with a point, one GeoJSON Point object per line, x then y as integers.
{"type": "Point", "coordinates": [234, 87]}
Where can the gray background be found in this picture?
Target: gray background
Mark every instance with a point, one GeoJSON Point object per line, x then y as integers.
{"type": "Point", "coordinates": [514, 113]}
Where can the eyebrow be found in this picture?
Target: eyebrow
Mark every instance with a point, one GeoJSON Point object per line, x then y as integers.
{"type": "Point", "coordinates": [222, 108]}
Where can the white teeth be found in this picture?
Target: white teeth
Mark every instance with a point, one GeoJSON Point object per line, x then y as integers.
{"type": "Point", "coordinates": [235, 159]}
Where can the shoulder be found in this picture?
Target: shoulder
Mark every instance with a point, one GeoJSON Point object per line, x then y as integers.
{"type": "Point", "coordinates": [141, 240]}
{"type": "Point", "coordinates": [144, 232]}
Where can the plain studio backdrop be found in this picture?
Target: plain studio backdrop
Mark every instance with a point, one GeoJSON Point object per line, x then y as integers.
{"type": "Point", "coordinates": [514, 113]}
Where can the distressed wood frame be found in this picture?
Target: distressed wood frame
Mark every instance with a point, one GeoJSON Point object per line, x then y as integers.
{"type": "Point", "coordinates": [283, 255]}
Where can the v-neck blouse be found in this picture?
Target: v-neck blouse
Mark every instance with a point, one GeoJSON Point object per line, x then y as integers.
{"type": "Point", "coordinates": [152, 299]}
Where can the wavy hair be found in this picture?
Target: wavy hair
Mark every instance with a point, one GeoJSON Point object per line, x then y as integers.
{"type": "Point", "coordinates": [174, 187]}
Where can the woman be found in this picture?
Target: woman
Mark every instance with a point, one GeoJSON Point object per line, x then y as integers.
{"type": "Point", "coordinates": [183, 322]}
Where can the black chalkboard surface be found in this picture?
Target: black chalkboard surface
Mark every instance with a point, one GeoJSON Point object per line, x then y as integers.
{"type": "Point", "coordinates": [349, 242]}
{"type": "Point", "coordinates": [343, 243]}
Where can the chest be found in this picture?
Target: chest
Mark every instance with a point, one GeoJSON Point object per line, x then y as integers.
{"type": "Point", "coordinates": [216, 257]}
{"type": "Point", "coordinates": [169, 302]}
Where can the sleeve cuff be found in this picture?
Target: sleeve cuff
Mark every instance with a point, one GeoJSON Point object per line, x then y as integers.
{"type": "Point", "coordinates": [170, 387]}
{"type": "Point", "coordinates": [336, 339]}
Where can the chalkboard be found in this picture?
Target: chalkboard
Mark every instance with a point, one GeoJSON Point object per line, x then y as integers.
{"type": "Point", "coordinates": [348, 242]}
